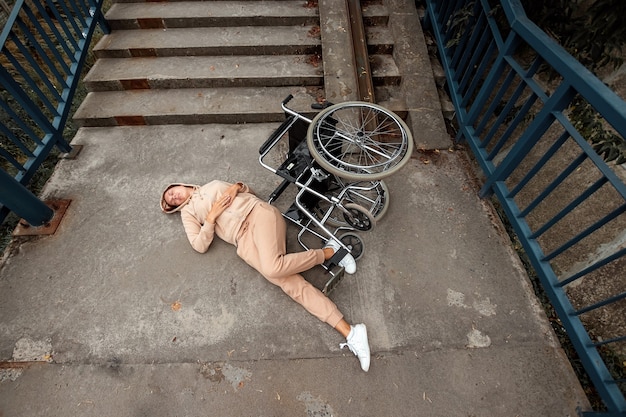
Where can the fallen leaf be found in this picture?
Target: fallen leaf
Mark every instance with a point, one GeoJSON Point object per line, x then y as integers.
{"type": "Point", "coordinates": [176, 306]}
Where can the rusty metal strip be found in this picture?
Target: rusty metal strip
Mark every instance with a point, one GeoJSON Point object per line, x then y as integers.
{"type": "Point", "coordinates": [365, 84]}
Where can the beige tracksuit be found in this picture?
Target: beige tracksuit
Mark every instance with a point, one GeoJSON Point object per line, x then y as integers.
{"type": "Point", "coordinates": [258, 230]}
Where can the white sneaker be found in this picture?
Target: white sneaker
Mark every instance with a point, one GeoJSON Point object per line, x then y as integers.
{"type": "Point", "coordinates": [348, 263]}
{"type": "Point", "coordinates": [358, 344]}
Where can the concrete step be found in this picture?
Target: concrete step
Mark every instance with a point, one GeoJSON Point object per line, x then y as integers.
{"type": "Point", "coordinates": [199, 106]}
{"type": "Point", "coordinates": [249, 40]}
{"type": "Point", "coordinates": [191, 106]}
{"type": "Point", "coordinates": [116, 74]}
{"type": "Point", "coordinates": [162, 15]}
{"type": "Point", "coordinates": [111, 74]}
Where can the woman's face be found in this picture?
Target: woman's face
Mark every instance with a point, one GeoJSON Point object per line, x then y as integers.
{"type": "Point", "coordinates": [177, 195]}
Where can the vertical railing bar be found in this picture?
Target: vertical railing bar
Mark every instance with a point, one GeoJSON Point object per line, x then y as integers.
{"type": "Point", "coordinates": [41, 153]}
{"type": "Point", "coordinates": [589, 191]}
{"type": "Point", "coordinates": [79, 8]}
{"type": "Point", "coordinates": [480, 70]}
{"type": "Point", "coordinates": [20, 123]}
{"type": "Point", "coordinates": [497, 99]}
{"type": "Point", "coordinates": [495, 30]}
{"type": "Point", "coordinates": [469, 36]}
{"type": "Point", "coordinates": [506, 110]}
{"type": "Point", "coordinates": [472, 59]}
{"type": "Point", "coordinates": [16, 91]}
{"type": "Point", "coordinates": [521, 114]}
{"type": "Point", "coordinates": [597, 160]}
{"type": "Point", "coordinates": [15, 140]}
{"type": "Point", "coordinates": [8, 27]}
{"type": "Point", "coordinates": [554, 183]}
{"type": "Point", "coordinates": [9, 158]}
{"type": "Point", "coordinates": [593, 267]}
{"type": "Point", "coordinates": [84, 7]}
{"type": "Point", "coordinates": [66, 29]}
{"type": "Point", "coordinates": [69, 18]}
{"type": "Point", "coordinates": [42, 54]}
{"type": "Point", "coordinates": [76, 14]}
{"type": "Point", "coordinates": [540, 164]}
{"type": "Point", "coordinates": [31, 82]}
{"type": "Point", "coordinates": [589, 230]}
{"type": "Point", "coordinates": [540, 124]}
{"type": "Point", "coordinates": [528, 75]}
{"type": "Point", "coordinates": [51, 47]}
{"type": "Point", "coordinates": [50, 24]}
{"type": "Point", "coordinates": [602, 303]}
{"type": "Point", "coordinates": [448, 14]}
{"type": "Point", "coordinates": [458, 53]}
{"type": "Point", "coordinates": [492, 78]}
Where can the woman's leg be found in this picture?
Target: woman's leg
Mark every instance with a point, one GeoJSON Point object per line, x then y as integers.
{"type": "Point", "coordinates": [263, 246]}
{"type": "Point", "coordinates": [268, 232]}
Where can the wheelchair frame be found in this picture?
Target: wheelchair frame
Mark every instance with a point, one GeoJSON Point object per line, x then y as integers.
{"type": "Point", "coordinates": [356, 192]}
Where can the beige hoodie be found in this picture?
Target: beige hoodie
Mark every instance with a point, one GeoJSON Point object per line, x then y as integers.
{"type": "Point", "coordinates": [194, 211]}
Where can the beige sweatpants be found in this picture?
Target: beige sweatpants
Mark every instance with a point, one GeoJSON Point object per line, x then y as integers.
{"type": "Point", "coordinates": [261, 242]}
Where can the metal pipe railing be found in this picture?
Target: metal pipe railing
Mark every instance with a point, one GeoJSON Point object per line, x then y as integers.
{"type": "Point", "coordinates": [44, 46]}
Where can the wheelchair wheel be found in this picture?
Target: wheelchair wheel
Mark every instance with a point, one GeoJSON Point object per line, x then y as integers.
{"type": "Point", "coordinates": [372, 195]}
{"type": "Point", "coordinates": [354, 243]}
{"type": "Point", "coordinates": [358, 217]}
{"type": "Point", "coordinates": [359, 141]}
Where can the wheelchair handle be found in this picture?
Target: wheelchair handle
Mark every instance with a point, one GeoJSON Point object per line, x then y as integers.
{"type": "Point", "coordinates": [287, 99]}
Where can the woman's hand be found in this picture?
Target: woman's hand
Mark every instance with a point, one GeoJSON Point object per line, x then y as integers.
{"type": "Point", "coordinates": [223, 203]}
{"type": "Point", "coordinates": [233, 190]}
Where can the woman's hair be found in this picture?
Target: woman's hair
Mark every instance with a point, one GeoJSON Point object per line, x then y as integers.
{"type": "Point", "coordinates": [168, 208]}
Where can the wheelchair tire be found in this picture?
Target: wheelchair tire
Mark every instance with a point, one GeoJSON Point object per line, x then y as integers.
{"type": "Point", "coordinates": [358, 217]}
{"type": "Point", "coordinates": [359, 141]}
{"type": "Point", "coordinates": [374, 196]}
{"type": "Point", "coordinates": [354, 243]}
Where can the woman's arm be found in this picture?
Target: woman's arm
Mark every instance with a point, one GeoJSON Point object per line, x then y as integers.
{"type": "Point", "coordinates": [201, 235]}
{"type": "Point", "coordinates": [225, 201]}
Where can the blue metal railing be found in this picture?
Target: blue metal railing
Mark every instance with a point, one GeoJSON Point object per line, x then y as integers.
{"type": "Point", "coordinates": [44, 46]}
{"type": "Point", "coordinates": [516, 94]}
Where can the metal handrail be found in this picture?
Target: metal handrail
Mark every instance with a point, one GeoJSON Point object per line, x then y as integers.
{"type": "Point", "coordinates": [515, 91]}
{"type": "Point", "coordinates": [44, 46]}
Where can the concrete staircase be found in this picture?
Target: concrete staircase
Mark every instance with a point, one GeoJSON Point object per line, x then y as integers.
{"type": "Point", "coordinates": [214, 62]}
{"type": "Point", "coordinates": [197, 62]}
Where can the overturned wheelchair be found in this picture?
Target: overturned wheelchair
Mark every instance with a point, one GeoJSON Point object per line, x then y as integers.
{"type": "Point", "coordinates": [337, 162]}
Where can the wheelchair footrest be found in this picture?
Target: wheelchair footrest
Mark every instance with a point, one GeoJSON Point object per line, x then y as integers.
{"type": "Point", "coordinates": [337, 257]}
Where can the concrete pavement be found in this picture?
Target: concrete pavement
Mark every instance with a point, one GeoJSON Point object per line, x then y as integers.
{"type": "Point", "coordinates": [116, 315]}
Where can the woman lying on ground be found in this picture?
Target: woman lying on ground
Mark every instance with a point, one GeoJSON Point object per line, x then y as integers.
{"type": "Point", "coordinates": [258, 230]}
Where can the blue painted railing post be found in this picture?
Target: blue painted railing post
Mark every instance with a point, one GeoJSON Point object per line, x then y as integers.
{"type": "Point", "coordinates": [22, 202]}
